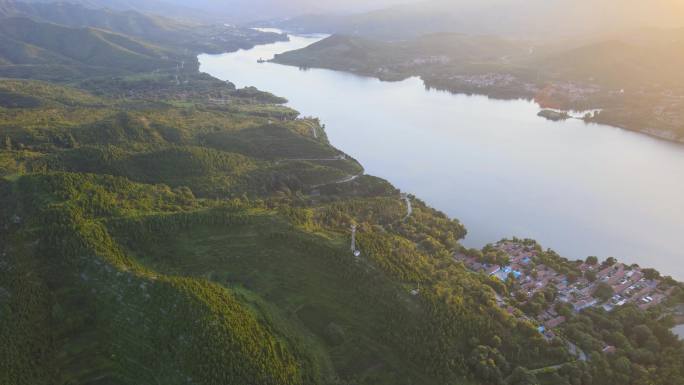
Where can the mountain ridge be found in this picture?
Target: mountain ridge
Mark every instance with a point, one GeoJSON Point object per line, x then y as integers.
{"type": "Point", "coordinates": [514, 18]}
{"type": "Point", "coordinates": [85, 50]}
{"type": "Point", "coordinates": [181, 36]}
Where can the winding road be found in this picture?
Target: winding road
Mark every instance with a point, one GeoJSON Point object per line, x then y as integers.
{"type": "Point", "coordinates": [338, 157]}
{"type": "Point", "coordinates": [341, 181]}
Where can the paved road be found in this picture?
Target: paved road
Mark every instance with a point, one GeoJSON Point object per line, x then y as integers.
{"type": "Point", "coordinates": [338, 157]}
{"type": "Point", "coordinates": [577, 352]}
{"type": "Point", "coordinates": [347, 179]}
{"type": "Point", "coordinates": [341, 181]}
{"type": "Point", "coordinates": [554, 367]}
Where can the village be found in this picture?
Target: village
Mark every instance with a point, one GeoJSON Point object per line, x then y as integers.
{"type": "Point", "coordinates": [588, 284]}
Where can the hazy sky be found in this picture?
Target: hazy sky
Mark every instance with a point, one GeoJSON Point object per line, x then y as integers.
{"type": "Point", "coordinates": [656, 12]}
{"type": "Point", "coordinates": [248, 10]}
{"type": "Point", "coordinates": [523, 18]}
{"type": "Point", "coordinates": [560, 14]}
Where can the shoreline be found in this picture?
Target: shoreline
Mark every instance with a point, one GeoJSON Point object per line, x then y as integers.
{"type": "Point", "coordinates": [487, 95]}
{"type": "Point", "coordinates": [494, 95]}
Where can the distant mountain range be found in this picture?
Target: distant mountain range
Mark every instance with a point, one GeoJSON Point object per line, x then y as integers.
{"type": "Point", "coordinates": [156, 7]}
{"type": "Point", "coordinates": [513, 18]}
{"type": "Point", "coordinates": [232, 11]}
{"type": "Point", "coordinates": [182, 35]}
{"type": "Point", "coordinates": [64, 41]}
{"type": "Point", "coordinates": [129, 22]}
{"type": "Point", "coordinates": [382, 18]}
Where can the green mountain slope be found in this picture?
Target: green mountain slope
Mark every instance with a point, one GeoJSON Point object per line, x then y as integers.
{"type": "Point", "coordinates": [179, 35]}
{"type": "Point", "coordinates": [130, 23]}
{"type": "Point", "coordinates": [38, 47]}
{"type": "Point", "coordinates": [109, 319]}
{"type": "Point", "coordinates": [402, 59]}
{"type": "Point", "coordinates": [203, 260]}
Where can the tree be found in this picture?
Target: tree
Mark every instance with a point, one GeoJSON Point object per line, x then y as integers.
{"type": "Point", "coordinates": [590, 275]}
{"type": "Point", "coordinates": [564, 309]}
{"type": "Point", "coordinates": [496, 257]}
{"type": "Point", "coordinates": [623, 365]}
{"type": "Point", "coordinates": [521, 376]}
{"type": "Point", "coordinates": [642, 333]}
{"type": "Point", "coordinates": [487, 364]}
{"type": "Point", "coordinates": [609, 262]}
{"type": "Point", "coordinates": [603, 291]}
{"type": "Point", "coordinates": [651, 273]}
{"type": "Point", "coordinates": [593, 261]}
{"type": "Point", "coordinates": [550, 293]}
{"type": "Point", "coordinates": [520, 296]}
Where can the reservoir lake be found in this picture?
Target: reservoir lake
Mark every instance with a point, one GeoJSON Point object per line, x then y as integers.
{"type": "Point", "coordinates": [580, 189]}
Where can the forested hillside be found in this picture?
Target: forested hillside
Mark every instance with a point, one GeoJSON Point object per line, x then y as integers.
{"type": "Point", "coordinates": [49, 51]}
{"type": "Point", "coordinates": [182, 241]}
{"type": "Point", "coordinates": [180, 35]}
{"type": "Point", "coordinates": [162, 226]}
{"type": "Point", "coordinates": [90, 196]}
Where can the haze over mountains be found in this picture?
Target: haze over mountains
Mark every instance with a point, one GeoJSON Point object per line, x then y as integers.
{"type": "Point", "coordinates": [241, 11]}
{"type": "Point", "coordinates": [38, 36]}
{"type": "Point", "coordinates": [233, 11]}
{"type": "Point", "coordinates": [514, 18]}
{"type": "Point", "coordinates": [382, 18]}
{"type": "Point", "coordinates": [156, 7]}
{"type": "Point", "coordinates": [50, 51]}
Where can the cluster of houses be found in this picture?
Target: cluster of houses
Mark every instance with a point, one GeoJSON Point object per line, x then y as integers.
{"type": "Point", "coordinates": [628, 284]}
{"type": "Point", "coordinates": [485, 80]}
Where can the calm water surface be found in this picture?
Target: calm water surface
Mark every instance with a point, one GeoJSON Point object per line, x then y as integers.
{"type": "Point", "coordinates": [581, 189]}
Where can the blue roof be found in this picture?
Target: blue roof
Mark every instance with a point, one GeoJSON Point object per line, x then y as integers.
{"type": "Point", "coordinates": [516, 274]}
